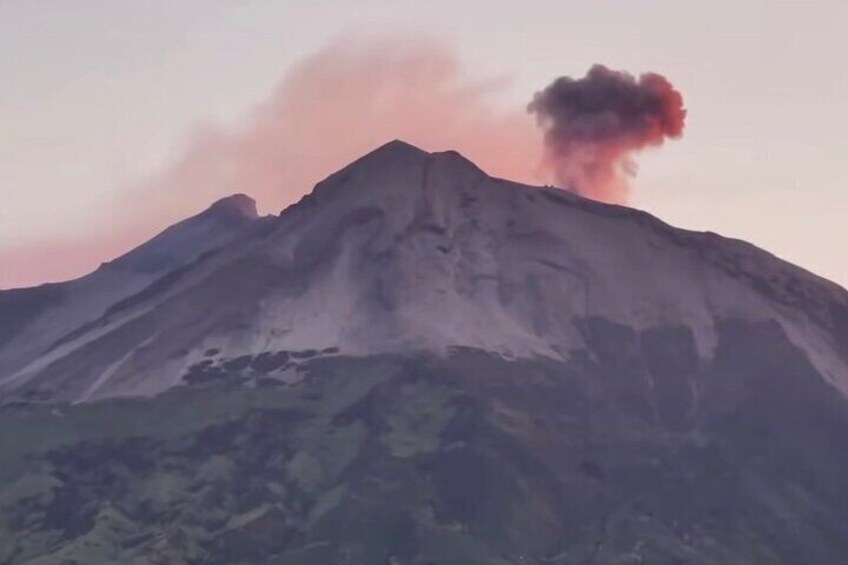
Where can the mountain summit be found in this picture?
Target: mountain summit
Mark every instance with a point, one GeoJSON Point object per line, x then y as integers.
{"type": "Point", "coordinates": [405, 250]}
{"type": "Point", "coordinates": [418, 363]}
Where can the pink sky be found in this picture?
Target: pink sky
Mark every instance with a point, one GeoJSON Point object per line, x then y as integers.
{"type": "Point", "coordinates": [165, 108]}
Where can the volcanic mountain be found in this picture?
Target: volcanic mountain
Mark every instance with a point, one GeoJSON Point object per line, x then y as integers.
{"type": "Point", "coordinates": [418, 363]}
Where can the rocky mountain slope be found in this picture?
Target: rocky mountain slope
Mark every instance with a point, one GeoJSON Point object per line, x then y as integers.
{"type": "Point", "coordinates": [421, 364]}
{"type": "Point", "coordinates": [34, 319]}
{"type": "Point", "coordinates": [407, 251]}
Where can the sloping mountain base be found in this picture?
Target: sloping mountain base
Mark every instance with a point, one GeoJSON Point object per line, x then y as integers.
{"type": "Point", "coordinates": [634, 451]}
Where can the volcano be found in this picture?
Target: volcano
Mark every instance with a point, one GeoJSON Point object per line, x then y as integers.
{"type": "Point", "coordinates": [421, 364]}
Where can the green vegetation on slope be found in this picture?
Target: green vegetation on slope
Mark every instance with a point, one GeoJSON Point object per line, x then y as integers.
{"type": "Point", "coordinates": [635, 451]}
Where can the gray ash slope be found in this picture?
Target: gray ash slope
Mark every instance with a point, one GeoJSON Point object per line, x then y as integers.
{"type": "Point", "coordinates": [32, 320]}
{"type": "Point", "coordinates": [409, 251]}
{"type": "Point", "coordinates": [418, 363]}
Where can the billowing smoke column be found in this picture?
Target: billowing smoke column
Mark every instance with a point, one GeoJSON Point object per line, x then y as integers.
{"type": "Point", "coordinates": [594, 125]}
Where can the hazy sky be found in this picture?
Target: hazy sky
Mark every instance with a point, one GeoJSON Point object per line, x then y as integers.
{"type": "Point", "coordinates": [97, 95]}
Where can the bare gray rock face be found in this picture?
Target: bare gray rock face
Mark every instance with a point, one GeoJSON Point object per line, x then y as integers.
{"type": "Point", "coordinates": [409, 251]}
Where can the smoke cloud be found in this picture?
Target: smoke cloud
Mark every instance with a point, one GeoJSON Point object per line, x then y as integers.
{"type": "Point", "coordinates": [343, 101]}
{"type": "Point", "coordinates": [327, 110]}
{"type": "Point", "coordinates": [340, 103]}
{"type": "Point", "coordinates": [594, 126]}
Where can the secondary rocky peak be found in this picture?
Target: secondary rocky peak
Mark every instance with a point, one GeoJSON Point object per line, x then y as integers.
{"type": "Point", "coordinates": [236, 205]}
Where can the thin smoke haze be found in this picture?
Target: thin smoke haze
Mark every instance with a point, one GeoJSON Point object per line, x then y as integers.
{"type": "Point", "coordinates": [328, 110]}
{"type": "Point", "coordinates": [342, 102]}
{"type": "Point", "coordinates": [350, 97]}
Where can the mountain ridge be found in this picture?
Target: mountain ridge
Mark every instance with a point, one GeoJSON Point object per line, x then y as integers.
{"type": "Point", "coordinates": [409, 250]}
{"type": "Point", "coordinates": [418, 364]}
{"type": "Point", "coordinates": [40, 315]}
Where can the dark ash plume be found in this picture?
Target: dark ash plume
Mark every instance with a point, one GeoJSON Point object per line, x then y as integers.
{"type": "Point", "coordinates": [594, 125]}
